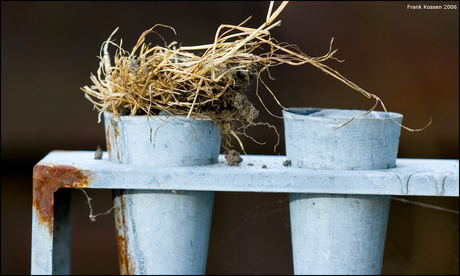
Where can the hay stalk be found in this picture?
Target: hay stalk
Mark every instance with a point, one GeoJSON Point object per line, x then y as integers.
{"type": "Point", "coordinates": [210, 86]}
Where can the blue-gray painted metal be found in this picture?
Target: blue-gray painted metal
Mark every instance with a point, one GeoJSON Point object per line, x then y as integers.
{"type": "Point", "coordinates": [428, 177]}
{"type": "Point", "coordinates": [164, 232]}
{"type": "Point", "coordinates": [410, 177]}
{"type": "Point", "coordinates": [367, 143]}
{"type": "Point", "coordinates": [50, 252]}
{"type": "Point", "coordinates": [161, 140]}
{"type": "Point", "coordinates": [339, 234]}
{"type": "Point", "coordinates": [336, 234]}
{"type": "Point", "coordinates": [42, 247]}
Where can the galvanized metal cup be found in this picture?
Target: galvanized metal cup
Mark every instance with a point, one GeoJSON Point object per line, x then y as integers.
{"type": "Point", "coordinates": [339, 234]}
{"type": "Point", "coordinates": [162, 232]}
{"type": "Point", "coordinates": [367, 143]}
{"type": "Point", "coordinates": [161, 140]}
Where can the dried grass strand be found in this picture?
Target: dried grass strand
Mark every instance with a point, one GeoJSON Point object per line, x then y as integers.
{"type": "Point", "coordinates": [212, 86]}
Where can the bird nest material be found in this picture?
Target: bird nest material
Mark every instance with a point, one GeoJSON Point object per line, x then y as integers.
{"type": "Point", "coordinates": [210, 86]}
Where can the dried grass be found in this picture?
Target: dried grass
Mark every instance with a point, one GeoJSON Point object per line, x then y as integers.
{"type": "Point", "coordinates": [210, 86]}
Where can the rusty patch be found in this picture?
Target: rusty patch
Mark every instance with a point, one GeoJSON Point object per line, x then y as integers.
{"type": "Point", "coordinates": [116, 134]}
{"type": "Point", "coordinates": [111, 136]}
{"type": "Point", "coordinates": [47, 179]}
{"type": "Point", "coordinates": [126, 265]}
{"type": "Point", "coordinates": [107, 138]}
{"type": "Point", "coordinates": [123, 255]}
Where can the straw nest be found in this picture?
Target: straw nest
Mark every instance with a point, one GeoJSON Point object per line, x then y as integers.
{"type": "Point", "coordinates": [210, 86]}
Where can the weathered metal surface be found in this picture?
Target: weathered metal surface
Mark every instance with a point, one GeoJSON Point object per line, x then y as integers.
{"type": "Point", "coordinates": [340, 233]}
{"type": "Point", "coordinates": [112, 136]}
{"type": "Point", "coordinates": [367, 143]}
{"type": "Point", "coordinates": [124, 258]}
{"type": "Point", "coordinates": [42, 247]}
{"type": "Point", "coordinates": [427, 177]}
{"type": "Point", "coordinates": [337, 234]}
{"type": "Point", "coordinates": [48, 177]}
{"type": "Point", "coordinates": [161, 232]}
{"type": "Point", "coordinates": [161, 140]}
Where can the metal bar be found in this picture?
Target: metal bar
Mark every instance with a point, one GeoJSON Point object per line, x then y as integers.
{"type": "Point", "coordinates": [77, 169]}
{"type": "Point", "coordinates": [47, 179]}
{"type": "Point", "coordinates": [416, 177]}
{"type": "Point", "coordinates": [42, 246]}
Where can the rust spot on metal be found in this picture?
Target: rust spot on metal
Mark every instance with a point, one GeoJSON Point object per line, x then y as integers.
{"type": "Point", "coordinates": [107, 136]}
{"type": "Point", "coordinates": [112, 133]}
{"type": "Point", "coordinates": [123, 255]}
{"type": "Point", "coordinates": [116, 133]}
{"type": "Point", "coordinates": [47, 179]}
{"type": "Point", "coordinates": [126, 264]}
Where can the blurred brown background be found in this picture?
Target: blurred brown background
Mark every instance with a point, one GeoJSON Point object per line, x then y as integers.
{"type": "Point", "coordinates": [407, 57]}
